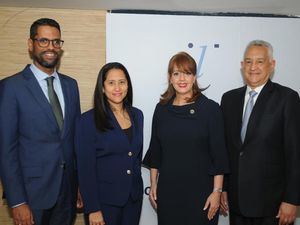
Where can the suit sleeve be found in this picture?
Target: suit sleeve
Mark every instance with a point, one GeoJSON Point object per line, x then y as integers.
{"type": "Point", "coordinates": [217, 147]}
{"type": "Point", "coordinates": [86, 165]}
{"type": "Point", "coordinates": [152, 158]}
{"type": "Point", "coordinates": [223, 107]}
{"type": "Point", "coordinates": [10, 168]}
{"type": "Point", "coordinates": [292, 148]}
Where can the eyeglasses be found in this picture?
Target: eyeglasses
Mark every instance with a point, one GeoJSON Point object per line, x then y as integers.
{"type": "Point", "coordinates": [44, 42]}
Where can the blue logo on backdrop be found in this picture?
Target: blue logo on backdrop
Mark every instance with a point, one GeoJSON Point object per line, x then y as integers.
{"type": "Point", "coordinates": [201, 57]}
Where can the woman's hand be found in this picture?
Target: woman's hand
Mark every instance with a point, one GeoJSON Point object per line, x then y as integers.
{"type": "Point", "coordinates": [212, 204]}
{"type": "Point", "coordinates": [79, 203]}
{"type": "Point", "coordinates": [224, 204]}
{"type": "Point", "coordinates": [96, 218]}
{"type": "Point", "coordinates": [153, 196]}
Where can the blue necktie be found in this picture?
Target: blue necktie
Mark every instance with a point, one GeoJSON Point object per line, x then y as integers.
{"type": "Point", "coordinates": [248, 110]}
{"type": "Point", "coordinates": [54, 102]}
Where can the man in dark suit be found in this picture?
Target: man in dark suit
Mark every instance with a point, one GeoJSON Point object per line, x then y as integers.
{"type": "Point", "coordinates": [262, 125]}
{"type": "Point", "coordinates": [38, 108]}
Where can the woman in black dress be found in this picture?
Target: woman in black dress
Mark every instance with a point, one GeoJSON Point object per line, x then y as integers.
{"type": "Point", "coordinates": [187, 155]}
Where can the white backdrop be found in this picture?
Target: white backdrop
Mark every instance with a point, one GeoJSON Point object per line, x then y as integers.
{"type": "Point", "coordinates": [145, 43]}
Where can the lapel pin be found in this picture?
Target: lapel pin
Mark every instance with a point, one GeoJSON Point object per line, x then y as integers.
{"type": "Point", "coordinates": [192, 111]}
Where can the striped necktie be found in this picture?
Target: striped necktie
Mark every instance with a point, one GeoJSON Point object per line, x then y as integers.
{"type": "Point", "coordinates": [248, 110]}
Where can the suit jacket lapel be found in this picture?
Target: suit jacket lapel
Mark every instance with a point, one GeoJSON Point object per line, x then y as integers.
{"type": "Point", "coordinates": [117, 128]}
{"type": "Point", "coordinates": [36, 91]}
{"type": "Point", "coordinates": [238, 114]}
{"type": "Point", "coordinates": [130, 146]}
{"type": "Point", "coordinates": [258, 110]}
{"type": "Point", "coordinates": [134, 125]}
{"type": "Point", "coordinates": [67, 94]}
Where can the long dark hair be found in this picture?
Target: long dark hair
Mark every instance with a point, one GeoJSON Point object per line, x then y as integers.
{"type": "Point", "coordinates": [185, 63]}
{"type": "Point", "coordinates": [101, 105]}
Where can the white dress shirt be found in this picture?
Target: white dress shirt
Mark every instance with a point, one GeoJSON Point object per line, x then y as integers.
{"type": "Point", "coordinates": [257, 90]}
{"type": "Point", "coordinates": [41, 78]}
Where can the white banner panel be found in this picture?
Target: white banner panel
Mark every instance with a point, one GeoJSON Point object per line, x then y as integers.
{"type": "Point", "coordinates": [145, 43]}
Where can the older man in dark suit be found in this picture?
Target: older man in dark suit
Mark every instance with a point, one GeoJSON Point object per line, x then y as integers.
{"type": "Point", "coordinates": [38, 108]}
{"type": "Point", "coordinates": [262, 124]}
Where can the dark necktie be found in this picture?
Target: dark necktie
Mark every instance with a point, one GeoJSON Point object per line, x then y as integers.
{"type": "Point", "coordinates": [248, 110]}
{"type": "Point", "coordinates": [54, 102]}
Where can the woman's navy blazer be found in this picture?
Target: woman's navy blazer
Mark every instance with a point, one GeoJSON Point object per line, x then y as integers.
{"type": "Point", "coordinates": [109, 165]}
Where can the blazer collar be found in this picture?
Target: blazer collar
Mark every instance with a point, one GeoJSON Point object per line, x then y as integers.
{"type": "Point", "coordinates": [67, 98]}
{"type": "Point", "coordinates": [36, 91]}
{"type": "Point", "coordinates": [237, 112]}
{"type": "Point", "coordinates": [258, 110]}
{"type": "Point", "coordinates": [121, 133]}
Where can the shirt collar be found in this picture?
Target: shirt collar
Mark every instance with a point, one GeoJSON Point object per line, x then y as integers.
{"type": "Point", "coordinates": [257, 89]}
{"type": "Point", "coordinates": [40, 75]}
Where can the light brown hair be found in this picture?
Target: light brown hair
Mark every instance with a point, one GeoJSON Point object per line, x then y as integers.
{"type": "Point", "coordinates": [186, 64]}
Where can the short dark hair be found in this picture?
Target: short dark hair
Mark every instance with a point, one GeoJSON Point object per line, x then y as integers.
{"type": "Point", "coordinates": [42, 22]}
{"type": "Point", "coordinates": [101, 104]}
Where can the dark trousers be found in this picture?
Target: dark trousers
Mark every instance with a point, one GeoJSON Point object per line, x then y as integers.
{"type": "Point", "coordinates": [237, 219]}
{"type": "Point", "coordinates": [129, 214]}
{"type": "Point", "coordinates": [64, 210]}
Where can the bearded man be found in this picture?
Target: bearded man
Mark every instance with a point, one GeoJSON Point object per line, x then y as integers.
{"type": "Point", "coordinates": [38, 109]}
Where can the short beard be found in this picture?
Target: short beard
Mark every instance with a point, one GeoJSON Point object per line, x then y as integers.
{"type": "Point", "coordinates": [44, 63]}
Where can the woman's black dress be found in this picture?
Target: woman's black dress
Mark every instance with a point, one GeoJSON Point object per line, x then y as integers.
{"type": "Point", "coordinates": [188, 147]}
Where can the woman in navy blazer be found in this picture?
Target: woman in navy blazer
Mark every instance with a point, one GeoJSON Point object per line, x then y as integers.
{"type": "Point", "coordinates": [109, 142]}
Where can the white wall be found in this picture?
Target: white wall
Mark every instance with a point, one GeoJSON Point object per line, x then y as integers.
{"type": "Point", "coordinates": [145, 43]}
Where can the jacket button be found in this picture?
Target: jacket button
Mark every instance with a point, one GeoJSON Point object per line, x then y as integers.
{"type": "Point", "coordinates": [130, 154]}
{"type": "Point", "coordinates": [128, 172]}
{"type": "Point", "coordinates": [63, 165]}
{"type": "Point", "coordinates": [241, 153]}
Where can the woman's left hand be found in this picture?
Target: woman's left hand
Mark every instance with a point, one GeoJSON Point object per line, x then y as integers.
{"type": "Point", "coordinates": [79, 203]}
{"type": "Point", "coordinates": [212, 204]}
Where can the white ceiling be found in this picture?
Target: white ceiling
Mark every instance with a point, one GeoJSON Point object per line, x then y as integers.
{"type": "Point", "coordinates": [284, 7]}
